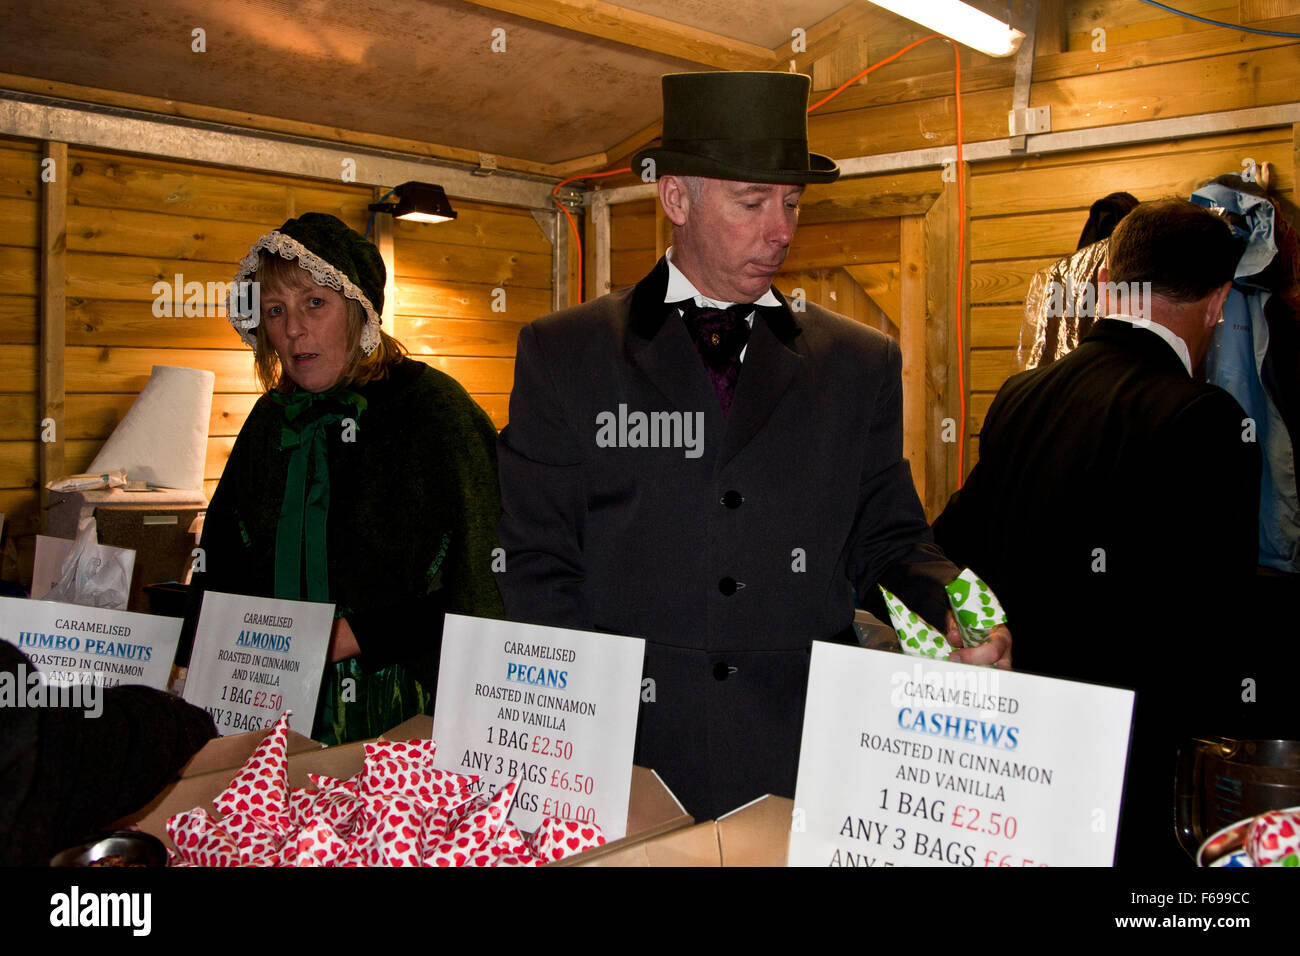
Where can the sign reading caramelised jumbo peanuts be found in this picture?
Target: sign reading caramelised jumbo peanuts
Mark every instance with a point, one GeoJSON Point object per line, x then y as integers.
{"type": "Point", "coordinates": [257, 657]}
{"type": "Point", "coordinates": [72, 644]}
{"type": "Point", "coordinates": [916, 762]}
{"type": "Point", "coordinates": [556, 708]}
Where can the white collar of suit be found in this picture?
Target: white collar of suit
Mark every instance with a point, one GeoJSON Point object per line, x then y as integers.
{"type": "Point", "coordinates": [1174, 341]}
{"type": "Point", "coordinates": [680, 287]}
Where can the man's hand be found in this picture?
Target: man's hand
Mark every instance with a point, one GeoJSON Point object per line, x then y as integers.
{"type": "Point", "coordinates": [997, 651]}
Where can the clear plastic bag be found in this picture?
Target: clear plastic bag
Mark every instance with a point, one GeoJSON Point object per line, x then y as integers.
{"type": "Point", "coordinates": [94, 574]}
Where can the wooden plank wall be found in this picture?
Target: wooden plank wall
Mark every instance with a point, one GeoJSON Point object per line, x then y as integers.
{"type": "Point", "coordinates": [1027, 213]}
{"type": "Point", "coordinates": [133, 221]}
{"type": "Point", "coordinates": [631, 244]}
{"type": "Point", "coordinates": [846, 257]}
{"type": "Point", "coordinates": [1023, 213]}
{"type": "Point", "coordinates": [20, 240]}
{"type": "Point", "coordinates": [465, 289]}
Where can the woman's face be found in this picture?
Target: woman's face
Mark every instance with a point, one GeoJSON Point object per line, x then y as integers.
{"type": "Point", "coordinates": [308, 328]}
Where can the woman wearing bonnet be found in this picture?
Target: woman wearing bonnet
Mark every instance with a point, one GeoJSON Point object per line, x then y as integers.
{"type": "Point", "coordinates": [360, 478]}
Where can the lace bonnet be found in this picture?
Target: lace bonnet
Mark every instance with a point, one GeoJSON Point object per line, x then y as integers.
{"type": "Point", "coordinates": [333, 254]}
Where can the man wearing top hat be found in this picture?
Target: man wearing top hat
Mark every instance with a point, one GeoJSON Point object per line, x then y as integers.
{"type": "Point", "coordinates": [723, 483]}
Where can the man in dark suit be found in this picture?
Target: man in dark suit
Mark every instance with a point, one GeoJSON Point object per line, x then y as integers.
{"type": "Point", "coordinates": [719, 483]}
{"type": "Point", "coordinates": [1113, 508]}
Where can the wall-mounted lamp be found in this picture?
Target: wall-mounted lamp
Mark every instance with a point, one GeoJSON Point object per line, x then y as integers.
{"type": "Point", "coordinates": [417, 202]}
{"type": "Point", "coordinates": [961, 22]}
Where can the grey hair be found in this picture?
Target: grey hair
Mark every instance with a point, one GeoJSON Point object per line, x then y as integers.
{"type": "Point", "coordinates": [694, 186]}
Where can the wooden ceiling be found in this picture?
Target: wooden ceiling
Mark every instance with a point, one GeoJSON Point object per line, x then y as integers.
{"type": "Point", "coordinates": [577, 79]}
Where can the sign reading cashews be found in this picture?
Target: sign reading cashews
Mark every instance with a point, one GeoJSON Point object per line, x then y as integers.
{"type": "Point", "coordinates": [917, 762]}
{"type": "Point", "coordinates": [556, 708]}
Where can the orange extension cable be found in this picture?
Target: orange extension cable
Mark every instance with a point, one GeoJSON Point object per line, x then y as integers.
{"type": "Point", "coordinates": [961, 220]}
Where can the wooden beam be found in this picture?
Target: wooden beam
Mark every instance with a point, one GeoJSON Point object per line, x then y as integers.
{"type": "Point", "coordinates": [598, 213]}
{"type": "Point", "coordinates": [1295, 164]}
{"type": "Point", "coordinates": [382, 236]}
{"type": "Point", "coordinates": [912, 340]}
{"type": "Point", "coordinates": [999, 74]}
{"type": "Point", "coordinates": [608, 21]}
{"type": "Point", "coordinates": [595, 162]}
{"type": "Point", "coordinates": [1253, 11]}
{"type": "Point", "coordinates": [663, 231]}
{"type": "Point", "coordinates": [274, 124]}
{"type": "Point", "coordinates": [54, 269]}
{"type": "Point", "coordinates": [625, 149]}
{"type": "Point", "coordinates": [880, 282]}
{"type": "Point", "coordinates": [825, 37]}
{"type": "Point", "coordinates": [842, 64]}
{"type": "Point", "coordinates": [943, 400]}
{"type": "Point", "coordinates": [959, 349]}
{"type": "Point", "coordinates": [1052, 33]}
{"type": "Point", "coordinates": [940, 380]}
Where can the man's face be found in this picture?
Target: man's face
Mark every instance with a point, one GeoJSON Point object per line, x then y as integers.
{"type": "Point", "coordinates": [735, 237]}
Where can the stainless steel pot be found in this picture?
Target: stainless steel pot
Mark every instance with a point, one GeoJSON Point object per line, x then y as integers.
{"type": "Point", "coordinates": [1221, 781]}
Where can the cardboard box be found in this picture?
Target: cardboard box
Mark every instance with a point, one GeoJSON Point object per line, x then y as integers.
{"type": "Point", "coordinates": [230, 753]}
{"type": "Point", "coordinates": [199, 790]}
{"type": "Point", "coordinates": [652, 809]}
{"type": "Point", "coordinates": [757, 834]}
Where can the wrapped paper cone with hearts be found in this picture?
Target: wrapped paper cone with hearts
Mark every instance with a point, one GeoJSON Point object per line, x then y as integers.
{"type": "Point", "coordinates": [258, 844]}
{"type": "Point", "coordinates": [511, 841]}
{"type": "Point", "coordinates": [1274, 838]}
{"type": "Point", "coordinates": [261, 788]}
{"type": "Point", "coordinates": [318, 845]}
{"type": "Point", "coordinates": [397, 811]}
{"type": "Point", "coordinates": [201, 841]}
{"type": "Point", "coordinates": [400, 833]}
{"type": "Point", "coordinates": [556, 839]}
{"type": "Point", "coordinates": [484, 824]}
{"type": "Point", "coordinates": [337, 804]}
{"type": "Point", "coordinates": [975, 607]}
{"type": "Point", "coordinates": [914, 634]}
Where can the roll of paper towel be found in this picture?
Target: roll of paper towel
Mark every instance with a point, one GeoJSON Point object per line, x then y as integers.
{"type": "Point", "coordinates": [163, 439]}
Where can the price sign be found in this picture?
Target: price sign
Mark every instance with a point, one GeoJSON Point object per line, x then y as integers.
{"type": "Point", "coordinates": [71, 644]}
{"type": "Point", "coordinates": [255, 658]}
{"type": "Point", "coordinates": [554, 707]}
{"type": "Point", "coordinates": [912, 762]}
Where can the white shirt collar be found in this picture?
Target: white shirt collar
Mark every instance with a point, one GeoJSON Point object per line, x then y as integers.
{"type": "Point", "coordinates": [1175, 342]}
{"type": "Point", "coordinates": [680, 287]}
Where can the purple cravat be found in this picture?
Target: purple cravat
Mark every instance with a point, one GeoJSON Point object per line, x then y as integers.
{"type": "Point", "coordinates": [720, 336]}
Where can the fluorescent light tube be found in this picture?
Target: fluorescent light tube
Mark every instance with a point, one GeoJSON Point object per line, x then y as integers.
{"type": "Point", "coordinates": [959, 21]}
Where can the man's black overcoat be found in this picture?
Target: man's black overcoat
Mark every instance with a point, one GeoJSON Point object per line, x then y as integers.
{"type": "Point", "coordinates": [730, 558]}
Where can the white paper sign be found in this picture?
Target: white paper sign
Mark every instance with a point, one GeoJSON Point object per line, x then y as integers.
{"type": "Point", "coordinates": [912, 762]}
{"type": "Point", "coordinates": [555, 707]}
{"type": "Point", "coordinates": [72, 644]}
{"type": "Point", "coordinates": [255, 658]}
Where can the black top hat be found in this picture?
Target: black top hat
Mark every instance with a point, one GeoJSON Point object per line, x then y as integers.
{"type": "Point", "coordinates": [751, 127]}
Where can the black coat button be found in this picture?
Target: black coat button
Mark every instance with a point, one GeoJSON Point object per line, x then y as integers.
{"type": "Point", "coordinates": [727, 586]}
{"type": "Point", "coordinates": [733, 499]}
{"type": "Point", "coordinates": [721, 671]}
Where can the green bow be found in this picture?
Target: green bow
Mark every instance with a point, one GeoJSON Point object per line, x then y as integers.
{"type": "Point", "coordinates": [305, 509]}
